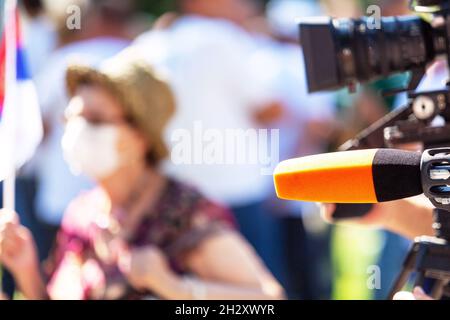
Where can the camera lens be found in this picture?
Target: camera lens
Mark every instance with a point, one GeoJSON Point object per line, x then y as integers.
{"type": "Point", "coordinates": [340, 52]}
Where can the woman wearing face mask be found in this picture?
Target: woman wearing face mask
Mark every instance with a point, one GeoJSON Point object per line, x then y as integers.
{"type": "Point", "coordinates": [139, 234]}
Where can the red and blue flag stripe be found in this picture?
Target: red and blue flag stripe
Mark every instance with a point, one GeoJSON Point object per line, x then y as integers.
{"type": "Point", "coordinates": [22, 73]}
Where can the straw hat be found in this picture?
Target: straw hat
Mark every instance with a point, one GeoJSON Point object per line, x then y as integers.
{"type": "Point", "coordinates": [145, 96]}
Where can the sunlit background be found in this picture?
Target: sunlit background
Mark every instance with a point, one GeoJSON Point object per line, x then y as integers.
{"type": "Point", "coordinates": [340, 256]}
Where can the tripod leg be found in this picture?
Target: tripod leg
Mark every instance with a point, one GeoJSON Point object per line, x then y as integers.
{"type": "Point", "coordinates": [438, 289]}
{"type": "Point", "coordinates": [420, 280]}
{"type": "Point", "coordinates": [408, 268]}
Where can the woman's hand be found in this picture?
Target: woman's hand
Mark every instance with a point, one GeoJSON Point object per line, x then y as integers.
{"type": "Point", "coordinates": [17, 248]}
{"type": "Point", "coordinates": [147, 268]}
{"type": "Point", "coordinates": [19, 255]}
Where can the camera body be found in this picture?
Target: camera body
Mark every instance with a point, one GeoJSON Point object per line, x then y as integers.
{"type": "Point", "coordinates": [343, 52]}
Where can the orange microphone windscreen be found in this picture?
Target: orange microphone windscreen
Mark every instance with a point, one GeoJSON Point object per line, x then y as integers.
{"type": "Point", "coordinates": [362, 176]}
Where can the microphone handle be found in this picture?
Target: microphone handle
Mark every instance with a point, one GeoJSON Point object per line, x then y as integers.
{"type": "Point", "coordinates": [351, 210]}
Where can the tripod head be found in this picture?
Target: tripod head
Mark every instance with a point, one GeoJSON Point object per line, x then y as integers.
{"type": "Point", "coordinates": [412, 123]}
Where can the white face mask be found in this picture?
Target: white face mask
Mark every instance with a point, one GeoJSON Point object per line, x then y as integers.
{"type": "Point", "coordinates": [91, 149]}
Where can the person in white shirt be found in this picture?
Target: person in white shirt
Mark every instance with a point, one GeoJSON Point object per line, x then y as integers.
{"type": "Point", "coordinates": [305, 128]}
{"type": "Point", "coordinates": [208, 58]}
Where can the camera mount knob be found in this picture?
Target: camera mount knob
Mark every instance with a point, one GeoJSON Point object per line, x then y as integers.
{"type": "Point", "coordinates": [424, 108]}
{"type": "Point", "coordinates": [435, 171]}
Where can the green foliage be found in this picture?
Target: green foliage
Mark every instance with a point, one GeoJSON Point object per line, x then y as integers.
{"type": "Point", "coordinates": [156, 7]}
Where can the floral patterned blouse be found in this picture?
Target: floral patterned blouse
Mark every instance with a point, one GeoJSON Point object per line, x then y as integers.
{"type": "Point", "coordinates": [83, 267]}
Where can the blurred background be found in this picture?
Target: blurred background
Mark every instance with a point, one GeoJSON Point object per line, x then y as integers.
{"type": "Point", "coordinates": [311, 260]}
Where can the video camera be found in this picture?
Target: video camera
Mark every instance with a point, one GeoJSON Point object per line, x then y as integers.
{"type": "Point", "coordinates": [360, 50]}
{"type": "Point", "coordinates": [344, 52]}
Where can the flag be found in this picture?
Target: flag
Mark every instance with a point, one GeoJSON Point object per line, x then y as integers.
{"type": "Point", "coordinates": [21, 127]}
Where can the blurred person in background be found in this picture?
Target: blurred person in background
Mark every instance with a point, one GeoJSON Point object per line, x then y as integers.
{"type": "Point", "coordinates": [305, 128]}
{"type": "Point", "coordinates": [208, 56]}
{"type": "Point", "coordinates": [102, 34]}
{"type": "Point", "coordinates": [139, 233]}
{"type": "Point", "coordinates": [39, 34]}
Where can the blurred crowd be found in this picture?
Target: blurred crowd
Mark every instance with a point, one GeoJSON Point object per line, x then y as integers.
{"type": "Point", "coordinates": [152, 69]}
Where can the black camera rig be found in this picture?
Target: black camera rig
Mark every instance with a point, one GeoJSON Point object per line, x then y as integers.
{"type": "Point", "coordinates": [343, 52]}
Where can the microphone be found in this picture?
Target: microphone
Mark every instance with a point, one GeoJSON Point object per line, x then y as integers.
{"type": "Point", "coordinates": [361, 176]}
